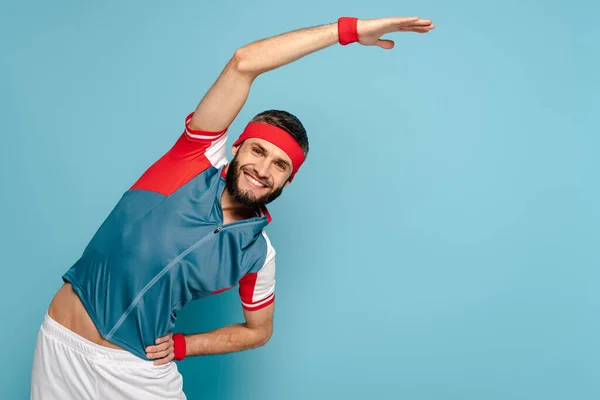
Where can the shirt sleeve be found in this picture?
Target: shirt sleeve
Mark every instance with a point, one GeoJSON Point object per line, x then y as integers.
{"type": "Point", "coordinates": [257, 289]}
{"type": "Point", "coordinates": [193, 152]}
{"type": "Point", "coordinates": [194, 143]}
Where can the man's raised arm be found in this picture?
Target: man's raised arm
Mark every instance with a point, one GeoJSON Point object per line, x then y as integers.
{"type": "Point", "coordinates": [224, 100]}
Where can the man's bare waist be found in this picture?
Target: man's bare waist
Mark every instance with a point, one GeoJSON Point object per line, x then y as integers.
{"type": "Point", "coordinates": [67, 309]}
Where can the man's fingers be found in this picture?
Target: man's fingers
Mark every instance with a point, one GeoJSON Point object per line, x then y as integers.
{"type": "Point", "coordinates": [385, 44]}
{"type": "Point", "coordinates": [164, 338]}
{"type": "Point", "coordinates": [162, 350]}
{"type": "Point", "coordinates": [405, 27]}
{"type": "Point", "coordinates": [159, 347]}
{"type": "Point", "coordinates": [159, 354]}
{"type": "Point", "coordinates": [424, 29]}
{"type": "Point", "coordinates": [421, 22]}
{"type": "Point", "coordinates": [403, 20]}
{"type": "Point", "coordinates": [154, 349]}
{"type": "Point", "coordinates": [416, 28]}
{"type": "Point", "coordinates": [164, 360]}
{"type": "Point", "coordinates": [407, 21]}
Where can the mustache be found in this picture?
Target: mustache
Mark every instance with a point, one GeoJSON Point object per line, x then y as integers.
{"type": "Point", "coordinates": [256, 175]}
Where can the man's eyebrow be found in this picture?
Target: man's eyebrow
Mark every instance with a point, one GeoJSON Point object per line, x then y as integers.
{"type": "Point", "coordinates": [260, 147]}
{"type": "Point", "coordinates": [281, 160]}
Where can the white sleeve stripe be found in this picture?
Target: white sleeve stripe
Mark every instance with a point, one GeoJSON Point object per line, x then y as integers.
{"type": "Point", "coordinates": [269, 297]}
{"type": "Point", "coordinates": [265, 282]}
{"type": "Point", "coordinates": [216, 152]}
{"type": "Point", "coordinates": [209, 137]}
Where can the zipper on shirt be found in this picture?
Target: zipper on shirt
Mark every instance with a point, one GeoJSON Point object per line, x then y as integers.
{"type": "Point", "coordinates": [137, 299]}
{"type": "Point", "coordinates": [170, 264]}
{"type": "Point", "coordinates": [236, 223]}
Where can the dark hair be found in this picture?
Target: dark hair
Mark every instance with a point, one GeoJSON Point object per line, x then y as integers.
{"type": "Point", "coordinates": [287, 122]}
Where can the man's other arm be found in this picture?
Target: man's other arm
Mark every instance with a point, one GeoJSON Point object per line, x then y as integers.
{"type": "Point", "coordinates": [255, 332]}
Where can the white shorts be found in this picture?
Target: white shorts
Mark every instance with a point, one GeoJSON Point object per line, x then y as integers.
{"type": "Point", "coordinates": [66, 366]}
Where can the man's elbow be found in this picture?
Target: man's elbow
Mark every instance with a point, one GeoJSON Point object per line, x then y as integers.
{"type": "Point", "coordinates": [241, 63]}
{"type": "Point", "coordinates": [264, 336]}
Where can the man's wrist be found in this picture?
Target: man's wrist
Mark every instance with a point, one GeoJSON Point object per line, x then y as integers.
{"type": "Point", "coordinates": [179, 347]}
{"type": "Point", "coordinates": [347, 30]}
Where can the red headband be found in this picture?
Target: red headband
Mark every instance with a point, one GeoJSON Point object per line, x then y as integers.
{"type": "Point", "coordinates": [279, 138]}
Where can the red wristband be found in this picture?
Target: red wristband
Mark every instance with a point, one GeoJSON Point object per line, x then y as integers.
{"type": "Point", "coordinates": [179, 348]}
{"type": "Point", "coordinates": [347, 31]}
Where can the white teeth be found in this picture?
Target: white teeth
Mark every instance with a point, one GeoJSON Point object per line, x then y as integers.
{"type": "Point", "coordinates": [254, 181]}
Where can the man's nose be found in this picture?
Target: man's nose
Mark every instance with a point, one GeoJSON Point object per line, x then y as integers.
{"type": "Point", "coordinates": [262, 168]}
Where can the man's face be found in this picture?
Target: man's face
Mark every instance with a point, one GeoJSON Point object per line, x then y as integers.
{"type": "Point", "coordinates": [258, 173]}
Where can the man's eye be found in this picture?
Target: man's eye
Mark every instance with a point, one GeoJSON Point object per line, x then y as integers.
{"type": "Point", "coordinates": [281, 165]}
{"type": "Point", "coordinates": [257, 151]}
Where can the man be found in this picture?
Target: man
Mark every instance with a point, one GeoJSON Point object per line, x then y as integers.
{"type": "Point", "coordinates": [191, 226]}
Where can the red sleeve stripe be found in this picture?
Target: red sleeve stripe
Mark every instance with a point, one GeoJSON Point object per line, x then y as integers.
{"type": "Point", "coordinates": [247, 285]}
{"type": "Point", "coordinates": [200, 134]}
{"type": "Point", "coordinates": [261, 304]}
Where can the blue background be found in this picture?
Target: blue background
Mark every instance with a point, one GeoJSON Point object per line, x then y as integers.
{"type": "Point", "coordinates": [441, 242]}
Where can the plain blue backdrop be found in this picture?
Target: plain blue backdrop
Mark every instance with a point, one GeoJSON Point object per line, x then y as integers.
{"type": "Point", "coordinates": [441, 242]}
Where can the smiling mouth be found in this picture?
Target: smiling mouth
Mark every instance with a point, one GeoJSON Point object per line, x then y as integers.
{"type": "Point", "coordinates": [254, 182]}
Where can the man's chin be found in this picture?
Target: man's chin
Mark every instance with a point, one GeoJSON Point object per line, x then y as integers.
{"type": "Point", "coordinates": [250, 195]}
{"type": "Point", "coordinates": [250, 198]}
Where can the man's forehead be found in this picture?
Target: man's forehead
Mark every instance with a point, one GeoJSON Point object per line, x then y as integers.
{"type": "Point", "coordinates": [273, 150]}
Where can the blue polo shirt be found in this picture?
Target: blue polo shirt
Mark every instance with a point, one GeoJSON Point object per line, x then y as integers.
{"type": "Point", "coordinates": [164, 245]}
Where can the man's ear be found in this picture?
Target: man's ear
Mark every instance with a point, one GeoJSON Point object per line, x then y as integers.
{"type": "Point", "coordinates": [234, 150]}
{"type": "Point", "coordinates": [287, 183]}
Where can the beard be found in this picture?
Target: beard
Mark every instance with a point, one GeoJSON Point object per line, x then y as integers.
{"type": "Point", "coordinates": [244, 198]}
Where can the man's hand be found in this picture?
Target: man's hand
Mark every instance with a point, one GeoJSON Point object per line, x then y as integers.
{"type": "Point", "coordinates": [163, 351]}
{"type": "Point", "coordinates": [370, 30]}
